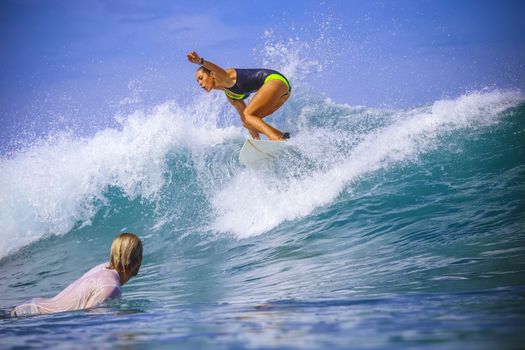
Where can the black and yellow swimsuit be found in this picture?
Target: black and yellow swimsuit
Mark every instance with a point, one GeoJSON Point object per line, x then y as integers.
{"type": "Point", "coordinates": [250, 80]}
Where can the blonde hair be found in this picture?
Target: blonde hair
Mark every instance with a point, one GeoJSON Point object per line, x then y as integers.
{"type": "Point", "coordinates": [126, 251]}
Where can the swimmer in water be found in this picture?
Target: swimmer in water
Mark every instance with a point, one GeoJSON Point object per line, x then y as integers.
{"type": "Point", "coordinates": [271, 89]}
{"type": "Point", "coordinates": [97, 285]}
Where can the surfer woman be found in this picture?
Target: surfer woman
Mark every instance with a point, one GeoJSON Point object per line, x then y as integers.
{"type": "Point", "coordinates": [271, 87]}
{"type": "Point", "coordinates": [97, 285]}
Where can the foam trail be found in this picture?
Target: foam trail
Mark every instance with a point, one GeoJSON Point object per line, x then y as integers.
{"type": "Point", "coordinates": [255, 202]}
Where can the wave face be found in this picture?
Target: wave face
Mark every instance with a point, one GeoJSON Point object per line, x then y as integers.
{"type": "Point", "coordinates": [378, 227]}
{"type": "Point", "coordinates": [61, 183]}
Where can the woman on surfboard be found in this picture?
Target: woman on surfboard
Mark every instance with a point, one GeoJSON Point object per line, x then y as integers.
{"type": "Point", "coordinates": [271, 89]}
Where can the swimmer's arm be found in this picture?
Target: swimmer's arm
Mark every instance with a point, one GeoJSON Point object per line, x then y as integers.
{"type": "Point", "coordinates": [219, 73]}
{"type": "Point", "coordinates": [84, 295]}
{"type": "Point", "coordinates": [240, 106]}
{"type": "Point", "coordinates": [42, 306]}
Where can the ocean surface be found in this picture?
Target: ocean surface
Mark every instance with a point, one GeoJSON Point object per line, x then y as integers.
{"type": "Point", "coordinates": [378, 229]}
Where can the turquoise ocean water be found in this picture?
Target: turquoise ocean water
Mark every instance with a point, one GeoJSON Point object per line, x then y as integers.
{"type": "Point", "coordinates": [379, 229]}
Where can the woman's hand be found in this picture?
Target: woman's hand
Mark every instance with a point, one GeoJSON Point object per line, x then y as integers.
{"type": "Point", "coordinates": [194, 57]}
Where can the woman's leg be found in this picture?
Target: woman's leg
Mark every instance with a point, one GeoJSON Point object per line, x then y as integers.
{"type": "Point", "coordinates": [267, 100]}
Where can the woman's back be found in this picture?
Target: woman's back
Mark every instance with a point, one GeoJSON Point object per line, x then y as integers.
{"type": "Point", "coordinates": [94, 287]}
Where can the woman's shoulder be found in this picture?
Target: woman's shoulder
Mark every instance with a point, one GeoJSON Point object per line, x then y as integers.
{"type": "Point", "coordinates": [232, 72]}
{"type": "Point", "coordinates": [99, 267]}
{"type": "Point", "coordinates": [102, 271]}
{"type": "Point", "coordinates": [108, 279]}
{"type": "Point", "coordinates": [104, 284]}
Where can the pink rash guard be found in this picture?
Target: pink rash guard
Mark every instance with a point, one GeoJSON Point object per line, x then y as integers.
{"type": "Point", "coordinates": [94, 287]}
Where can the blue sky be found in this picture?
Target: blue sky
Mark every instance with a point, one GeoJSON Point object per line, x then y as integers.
{"type": "Point", "coordinates": [72, 63]}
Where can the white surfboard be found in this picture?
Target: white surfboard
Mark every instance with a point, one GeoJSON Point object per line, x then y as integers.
{"type": "Point", "coordinates": [255, 152]}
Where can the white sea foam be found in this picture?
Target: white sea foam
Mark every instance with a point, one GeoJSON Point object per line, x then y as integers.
{"type": "Point", "coordinates": [54, 184]}
{"type": "Point", "coordinates": [254, 202]}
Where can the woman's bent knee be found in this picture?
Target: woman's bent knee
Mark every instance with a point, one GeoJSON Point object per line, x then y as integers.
{"type": "Point", "coordinates": [250, 119]}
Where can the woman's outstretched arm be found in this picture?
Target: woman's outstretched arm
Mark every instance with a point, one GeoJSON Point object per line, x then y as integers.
{"type": "Point", "coordinates": [219, 73]}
